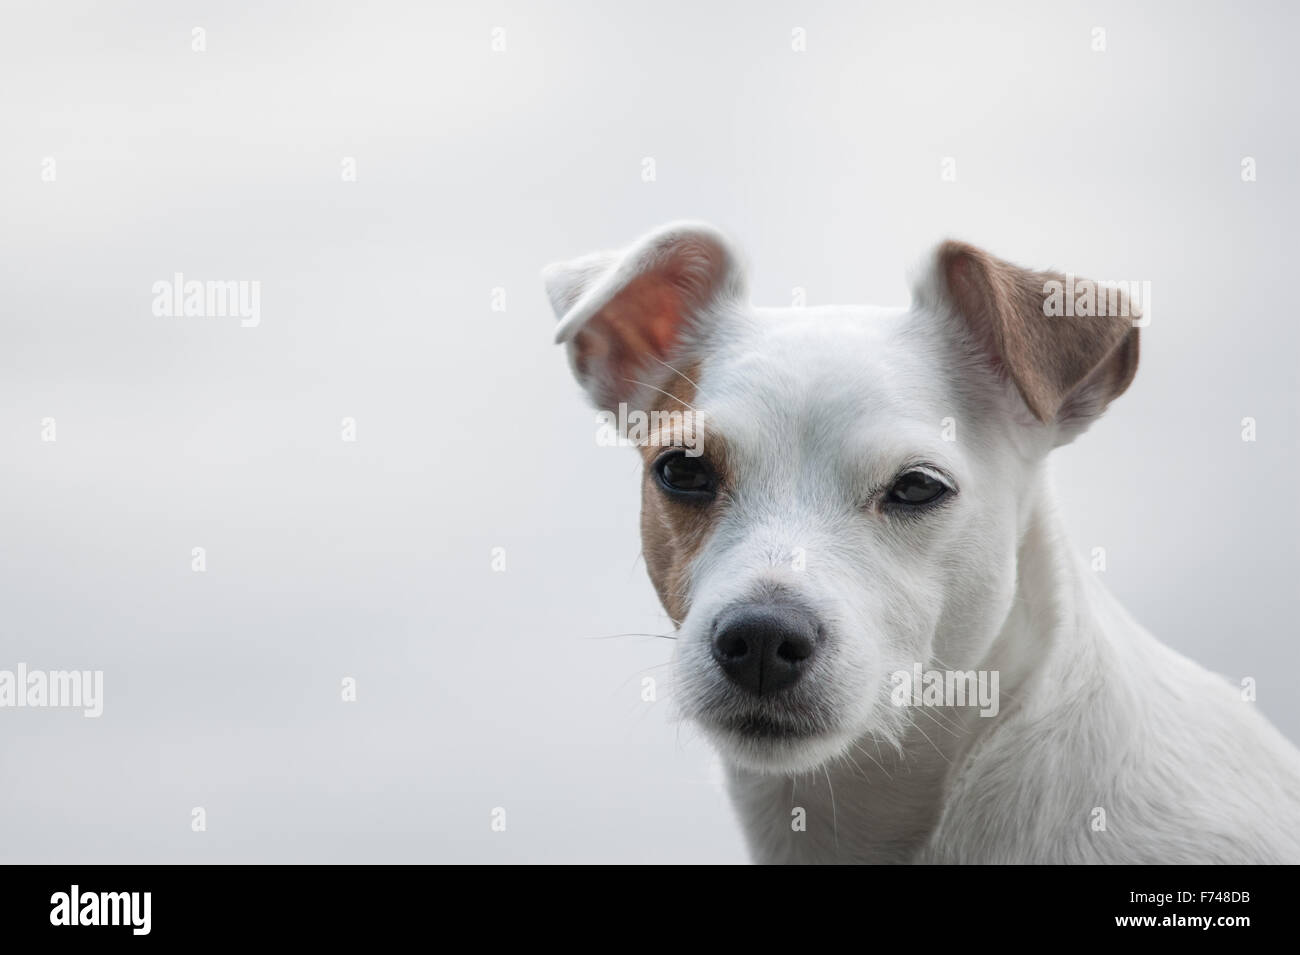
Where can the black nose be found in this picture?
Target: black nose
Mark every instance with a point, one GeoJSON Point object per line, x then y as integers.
{"type": "Point", "coordinates": [764, 648]}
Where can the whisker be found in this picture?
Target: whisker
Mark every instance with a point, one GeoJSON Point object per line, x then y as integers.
{"type": "Point", "coordinates": [674, 370]}
{"type": "Point", "coordinates": [938, 724]}
{"type": "Point", "coordinates": [931, 742]}
{"type": "Point", "coordinates": [835, 823]}
{"type": "Point", "coordinates": [661, 391]}
{"type": "Point", "coordinates": [944, 720]}
{"type": "Point", "coordinates": [858, 766]}
{"type": "Point", "coordinates": [878, 763]}
{"type": "Point", "coordinates": [613, 636]}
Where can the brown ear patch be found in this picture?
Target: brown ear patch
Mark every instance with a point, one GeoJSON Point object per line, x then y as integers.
{"type": "Point", "coordinates": [673, 531]}
{"type": "Point", "coordinates": [1063, 366]}
{"type": "Point", "coordinates": [643, 321]}
{"type": "Point", "coordinates": [653, 302]}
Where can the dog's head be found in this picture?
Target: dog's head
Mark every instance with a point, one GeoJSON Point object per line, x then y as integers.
{"type": "Point", "coordinates": [831, 495]}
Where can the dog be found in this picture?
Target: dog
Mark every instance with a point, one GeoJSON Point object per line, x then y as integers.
{"type": "Point", "coordinates": [846, 514]}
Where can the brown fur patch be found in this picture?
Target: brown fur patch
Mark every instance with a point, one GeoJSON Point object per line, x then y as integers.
{"type": "Point", "coordinates": [673, 531]}
{"type": "Point", "coordinates": [1061, 366]}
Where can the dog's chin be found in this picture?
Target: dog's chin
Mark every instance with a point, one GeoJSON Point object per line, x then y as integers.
{"type": "Point", "coordinates": [763, 746]}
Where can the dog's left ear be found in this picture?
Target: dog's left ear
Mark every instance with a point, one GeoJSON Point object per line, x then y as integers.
{"type": "Point", "coordinates": [623, 315]}
{"type": "Point", "coordinates": [1067, 367]}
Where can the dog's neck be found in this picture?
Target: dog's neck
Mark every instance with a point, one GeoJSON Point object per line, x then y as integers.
{"type": "Point", "coordinates": [880, 804]}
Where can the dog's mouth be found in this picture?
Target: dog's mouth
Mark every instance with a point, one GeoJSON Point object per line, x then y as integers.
{"type": "Point", "coordinates": [761, 726]}
{"type": "Point", "coordinates": [784, 717]}
{"type": "Point", "coordinates": [769, 743]}
{"type": "Point", "coordinates": [772, 739]}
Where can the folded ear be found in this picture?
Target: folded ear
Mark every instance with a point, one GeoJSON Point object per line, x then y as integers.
{"type": "Point", "coordinates": [623, 315]}
{"type": "Point", "coordinates": [1067, 366]}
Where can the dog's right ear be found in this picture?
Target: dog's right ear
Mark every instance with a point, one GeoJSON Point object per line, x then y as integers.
{"type": "Point", "coordinates": [625, 315]}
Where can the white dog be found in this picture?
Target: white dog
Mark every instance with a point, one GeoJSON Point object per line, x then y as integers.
{"type": "Point", "coordinates": [880, 627]}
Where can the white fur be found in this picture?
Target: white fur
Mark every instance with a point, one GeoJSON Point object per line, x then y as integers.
{"type": "Point", "coordinates": [818, 407]}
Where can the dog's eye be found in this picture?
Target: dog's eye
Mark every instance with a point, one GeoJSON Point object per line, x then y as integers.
{"type": "Point", "coordinates": [916, 488]}
{"type": "Point", "coordinates": [684, 476]}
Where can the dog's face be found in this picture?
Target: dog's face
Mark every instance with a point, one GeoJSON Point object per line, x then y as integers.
{"type": "Point", "coordinates": [829, 495]}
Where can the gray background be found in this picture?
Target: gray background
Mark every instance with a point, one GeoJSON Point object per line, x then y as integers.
{"type": "Point", "coordinates": [327, 559]}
